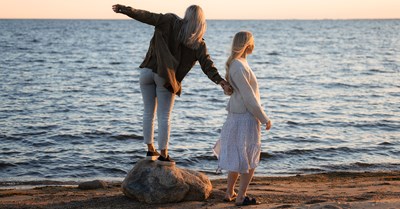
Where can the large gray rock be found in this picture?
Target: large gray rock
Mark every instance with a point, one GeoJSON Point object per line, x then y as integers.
{"type": "Point", "coordinates": [151, 183]}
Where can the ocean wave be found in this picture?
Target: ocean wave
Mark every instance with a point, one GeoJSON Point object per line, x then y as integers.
{"type": "Point", "coordinates": [302, 139]}
{"type": "Point", "coordinates": [273, 54]}
{"type": "Point", "coordinates": [36, 174]}
{"type": "Point", "coordinates": [328, 151]}
{"type": "Point", "coordinates": [127, 137]}
{"type": "Point", "coordinates": [311, 170]}
{"type": "Point", "coordinates": [261, 63]}
{"type": "Point", "coordinates": [43, 144]}
{"type": "Point", "coordinates": [385, 144]}
{"type": "Point", "coordinates": [293, 123]}
{"type": "Point", "coordinates": [374, 71]}
{"type": "Point", "coordinates": [29, 134]}
{"type": "Point", "coordinates": [387, 125]}
{"type": "Point", "coordinates": [4, 165]}
{"type": "Point", "coordinates": [4, 137]}
{"type": "Point", "coordinates": [362, 166]}
{"type": "Point", "coordinates": [23, 48]}
{"type": "Point", "coordinates": [116, 63]}
{"type": "Point", "coordinates": [341, 85]}
{"type": "Point", "coordinates": [266, 155]}
{"type": "Point", "coordinates": [110, 170]}
{"type": "Point", "coordinates": [206, 157]}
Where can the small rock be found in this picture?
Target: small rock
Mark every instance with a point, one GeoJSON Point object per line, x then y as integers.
{"type": "Point", "coordinates": [96, 184]}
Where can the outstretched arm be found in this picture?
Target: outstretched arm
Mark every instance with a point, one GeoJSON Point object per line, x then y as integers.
{"type": "Point", "coordinates": [137, 14]}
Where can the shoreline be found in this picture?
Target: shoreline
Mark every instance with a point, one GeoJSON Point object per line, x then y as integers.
{"type": "Point", "coordinates": [322, 190]}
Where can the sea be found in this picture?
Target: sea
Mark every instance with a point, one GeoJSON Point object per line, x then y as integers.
{"type": "Point", "coordinates": [71, 107]}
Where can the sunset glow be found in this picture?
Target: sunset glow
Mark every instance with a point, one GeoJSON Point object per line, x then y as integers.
{"type": "Point", "coordinates": [220, 9]}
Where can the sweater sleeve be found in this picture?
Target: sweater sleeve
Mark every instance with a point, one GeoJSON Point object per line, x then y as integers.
{"type": "Point", "coordinates": [207, 65]}
{"type": "Point", "coordinates": [241, 78]}
{"type": "Point", "coordinates": [142, 15]}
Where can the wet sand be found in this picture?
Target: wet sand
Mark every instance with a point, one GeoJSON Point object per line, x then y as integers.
{"type": "Point", "coordinates": [331, 190]}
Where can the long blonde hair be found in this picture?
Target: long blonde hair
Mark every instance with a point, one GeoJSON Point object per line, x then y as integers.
{"type": "Point", "coordinates": [193, 28]}
{"type": "Point", "coordinates": [241, 41]}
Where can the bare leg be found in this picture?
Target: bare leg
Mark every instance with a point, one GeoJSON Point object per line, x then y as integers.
{"type": "Point", "coordinates": [231, 181]}
{"type": "Point", "coordinates": [245, 179]}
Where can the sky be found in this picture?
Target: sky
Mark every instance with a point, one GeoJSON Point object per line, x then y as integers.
{"type": "Point", "coordinates": [214, 9]}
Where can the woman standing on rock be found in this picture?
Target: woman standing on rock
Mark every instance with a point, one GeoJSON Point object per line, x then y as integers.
{"type": "Point", "coordinates": [174, 49]}
{"type": "Point", "coordinates": [239, 148]}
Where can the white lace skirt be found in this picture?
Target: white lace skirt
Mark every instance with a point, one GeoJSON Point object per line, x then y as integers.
{"type": "Point", "coordinates": [239, 147]}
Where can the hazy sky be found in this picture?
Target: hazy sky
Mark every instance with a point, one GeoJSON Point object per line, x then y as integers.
{"type": "Point", "coordinates": [214, 9]}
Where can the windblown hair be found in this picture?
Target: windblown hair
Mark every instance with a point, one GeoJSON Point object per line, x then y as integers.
{"type": "Point", "coordinates": [193, 28]}
{"type": "Point", "coordinates": [241, 41]}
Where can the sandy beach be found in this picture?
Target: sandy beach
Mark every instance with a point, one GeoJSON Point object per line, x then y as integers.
{"type": "Point", "coordinates": [330, 190]}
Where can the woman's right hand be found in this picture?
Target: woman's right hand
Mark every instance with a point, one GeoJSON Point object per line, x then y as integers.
{"type": "Point", "coordinates": [268, 125]}
{"type": "Point", "coordinates": [117, 8]}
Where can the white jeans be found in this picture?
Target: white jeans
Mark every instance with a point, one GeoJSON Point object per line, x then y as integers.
{"type": "Point", "coordinates": [156, 97]}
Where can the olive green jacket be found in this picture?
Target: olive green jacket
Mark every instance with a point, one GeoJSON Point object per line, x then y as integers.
{"type": "Point", "coordinates": [168, 57]}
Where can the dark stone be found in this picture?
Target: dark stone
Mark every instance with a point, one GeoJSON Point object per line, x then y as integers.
{"type": "Point", "coordinates": [96, 184]}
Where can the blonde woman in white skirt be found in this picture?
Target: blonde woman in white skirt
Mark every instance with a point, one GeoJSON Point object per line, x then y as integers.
{"type": "Point", "coordinates": [239, 147]}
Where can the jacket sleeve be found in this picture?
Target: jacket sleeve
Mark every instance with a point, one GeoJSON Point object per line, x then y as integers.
{"type": "Point", "coordinates": [207, 65]}
{"type": "Point", "coordinates": [142, 15]}
{"type": "Point", "coordinates": [241, 78]}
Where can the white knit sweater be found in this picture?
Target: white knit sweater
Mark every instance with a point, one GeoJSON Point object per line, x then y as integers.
{"type": "Point", "coordinates": [246, 96]}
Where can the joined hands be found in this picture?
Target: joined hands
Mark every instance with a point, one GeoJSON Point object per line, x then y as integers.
{"type": "Point", "coordinates": [228, 90]}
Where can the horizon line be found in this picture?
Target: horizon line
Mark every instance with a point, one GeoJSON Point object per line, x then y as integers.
{"type": "Point", "coordinates": [207, 19]}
